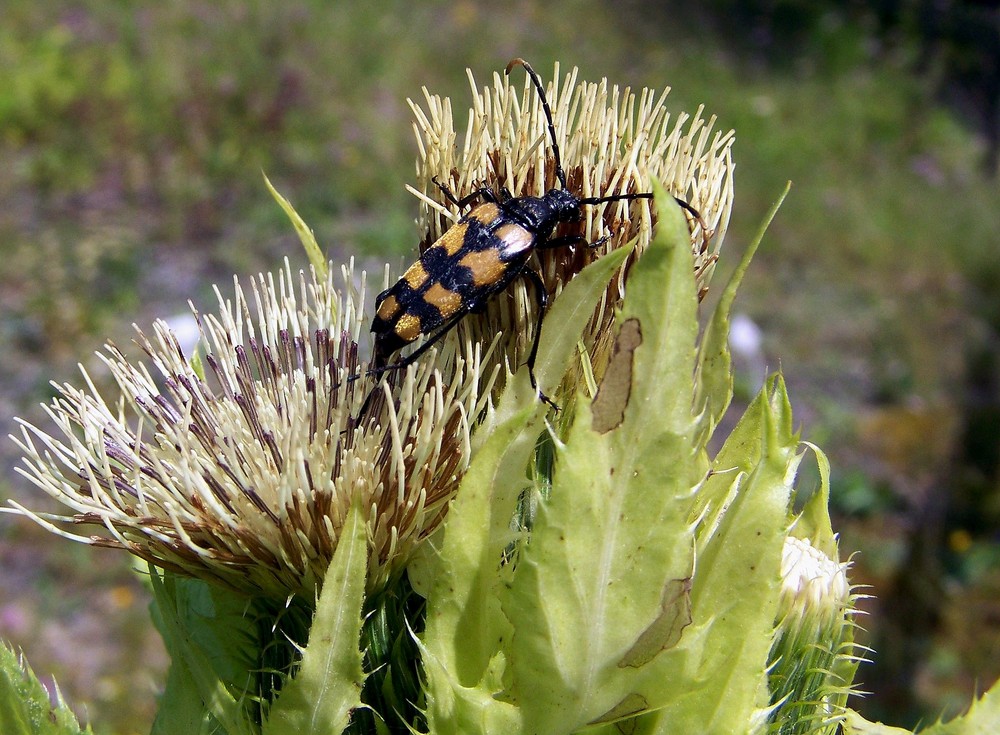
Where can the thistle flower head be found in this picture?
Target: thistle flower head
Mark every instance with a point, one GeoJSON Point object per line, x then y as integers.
{"type": "Point", "coordinates": [612, 141]}
{"type": "Point", "coordinates": [812, 584]}
{"type": "Point", "coordinates": [244, 473]}
{"type": "Point", "coordinates": [813, 654]}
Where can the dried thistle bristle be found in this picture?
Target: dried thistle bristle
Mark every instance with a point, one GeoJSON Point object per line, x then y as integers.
{"type": "Point", "coordinates": [246, 474]}
{"type": "Point", "coordinates": [612, 142]}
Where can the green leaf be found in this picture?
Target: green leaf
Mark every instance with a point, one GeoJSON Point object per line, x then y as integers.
{"type": "Point", "coordinates": [983, 718]}
{"type": "Point", "coordinates": [211, 636]}
{"type": "Point", "coordinates": [465, 626]}
{"type": "Point", "coordinates": [647, 593]}
{"type": "Point", "coordinates": [814, 522]}
{"type": "Point", "coordinates": [714, 682]}
{"type": "Point", "coordinates": [662, 297]}
{"type": "Point", "coordinates": [466, 629]}
{"type": "Point", "coordinates": [306, 236]}
{"type": "Point", "coordinates": [181, 707]}
{"type": "Point", "coordinates": [714, 380]}
{"type": "Point", "coordinates": [601, 589]}
{"type": "Point", "coordinates": [564, 324]}
{"type": "Point", "coordinates": [855, 724]}
{"type": "Point", "coordinates": [25, 705]}
{"type": "Point", "coordinates": [197, 365]}
{"type": "Point", "coordinates": [327, 686]}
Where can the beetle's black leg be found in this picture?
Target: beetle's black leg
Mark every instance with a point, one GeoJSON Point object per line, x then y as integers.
{"type": "Point", "coordinates": [447, 192]}
{"type": "Point", "coordinates": [694, 212]}
{"type": "Point", "coordinates": [697, 215]}
{"type": "Point", "coordinates": [542, 299]}
{"type": "Point", "coordinates": [566, 240]}
{"type": "Point", "coordinates": [402, 363]}
{"type": "Point", "coordinates": [645, 195]}
{"type": "Point", "coordinates": [484, 192]}
{"type": "Point", "coordinates": [415, 355]}
{"type": "Point", "coordinates": [364, 406]}
{"type": "Point", "coordinates": [559, 242]}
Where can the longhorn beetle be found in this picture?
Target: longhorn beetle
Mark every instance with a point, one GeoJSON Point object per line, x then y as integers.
{"type": "Point", "coordinates": [478, 257]}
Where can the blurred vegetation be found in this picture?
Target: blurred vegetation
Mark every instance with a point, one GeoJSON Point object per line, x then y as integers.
{"type": "Point", "coordinates": [133, 137]}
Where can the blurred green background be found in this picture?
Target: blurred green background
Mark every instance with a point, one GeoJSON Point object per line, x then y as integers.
{"type": "Point", "coordinates": [132, 140]}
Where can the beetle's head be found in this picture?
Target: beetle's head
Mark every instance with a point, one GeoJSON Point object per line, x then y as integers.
{"type": "Point", "coordinates": [565, 205]}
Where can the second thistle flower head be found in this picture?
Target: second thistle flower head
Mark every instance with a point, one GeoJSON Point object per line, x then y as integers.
{"type": "Point", "coordinates": [244, 473]}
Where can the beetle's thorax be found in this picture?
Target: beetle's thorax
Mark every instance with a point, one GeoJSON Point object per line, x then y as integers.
{"type": "Point", "coordinates": [541, 214]}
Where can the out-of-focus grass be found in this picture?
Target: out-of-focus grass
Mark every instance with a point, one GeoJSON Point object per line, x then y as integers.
{"type": "Point", "coordinates": [133, 137]}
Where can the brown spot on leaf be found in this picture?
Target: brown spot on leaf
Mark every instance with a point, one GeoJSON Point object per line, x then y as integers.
{"type": "Point", "coordinates": [631, 705]}
{"type": "Point", "coordinates": [665, 631]}
{"type": "Point", "coordinates": [613, 394]}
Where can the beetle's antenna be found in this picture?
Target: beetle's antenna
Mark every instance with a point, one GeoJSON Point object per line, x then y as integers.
{"type": "Point", "coordinates": [560, 174]}
{"type": "Point", "coordinates": [616, 198]}
{"type": "Point", "coordinates": [619, 197]}
{"type": "Point", "coordinates": [646, 195]}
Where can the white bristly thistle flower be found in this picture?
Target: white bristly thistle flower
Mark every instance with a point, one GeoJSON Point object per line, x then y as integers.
{"type": "Point", "coordinates": [244, 472]}
{"type": "Point", "coordinates": [612, 142]}
{"type": "Point", "coordinates": [814, 655]}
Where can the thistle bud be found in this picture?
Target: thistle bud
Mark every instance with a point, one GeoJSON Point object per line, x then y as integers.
{"type": "Point", "coordinates": [813, 656]}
